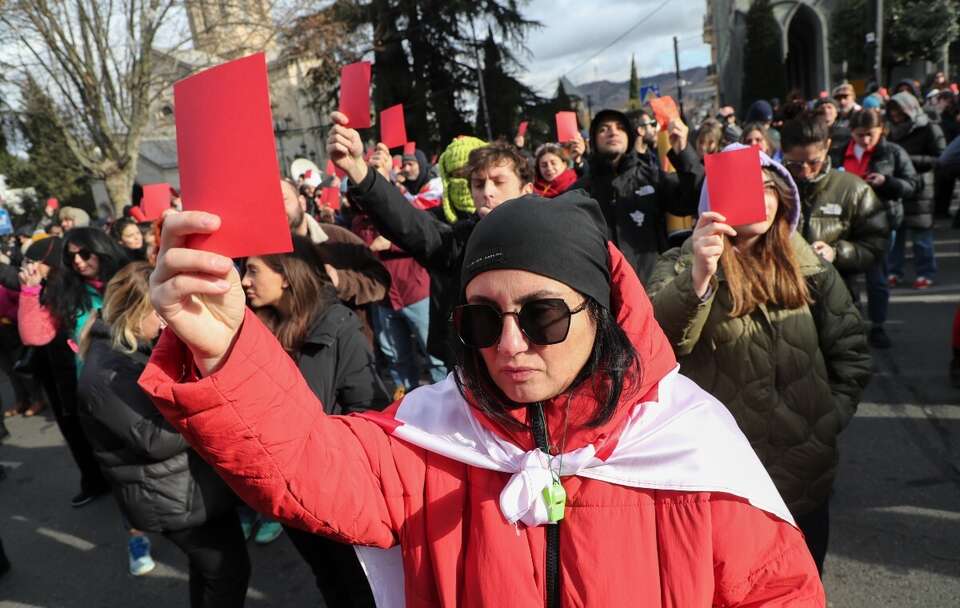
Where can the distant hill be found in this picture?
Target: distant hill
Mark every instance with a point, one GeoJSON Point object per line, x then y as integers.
{"type": "Point", "coordinates": [607, 94]}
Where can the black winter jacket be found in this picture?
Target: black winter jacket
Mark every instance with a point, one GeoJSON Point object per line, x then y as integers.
{"type": "Point", "coordinates": [159, 482]}
{"type": "Point", "coordinates": [433, 243]}
{"type": "Point", "coordinates": [635, 197]}
{"type": "Point", "coordinates": [841, 210]}
{"type": "Point", "coordinates": [924, 142]}
{"type": "Point", "coordinates": [902, 182]}
{"type": "Point", "coordinates": [339, 366]}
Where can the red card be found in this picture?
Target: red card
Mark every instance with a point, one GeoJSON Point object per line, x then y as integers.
{"type": "Point", "coordinates": [664, 109]}
{"type": "Point", "coordinates": [355, 94]}
{"type": "Point", "coordinates": [883, 92]}
{"type": "Point", "coordinates": [393, 130]}
{"type": "Point", "coordinates": [156, 200]}
{"type": "Point", "coordinates": [330, 197]}
{"type": "Point", "coordinates": [410, 148]}
{"type": "Point", "coordinates": [397, 163]}
{"type": "Point", "coordinates": [53, 203]}
{"type": "Point", "coordinates": [567, 127]}
{"type": "Point", "coordinates": [955, 88]}
{"type": "Point", "coordinates": [522, 129]}
{"type": "Point", "coordinates": [137, 214]}
{"type": "Point", "coordinates": [228, 161]}
{"type": "Point", "coordinates": [332, 169]}
{"type": "Point", "coordinates": [735, 185]}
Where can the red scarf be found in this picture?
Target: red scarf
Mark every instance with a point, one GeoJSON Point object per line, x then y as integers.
{"type": "Point", "coordinates": [557, 187]}
{"type": "Point", "coordinates": [861, 167]}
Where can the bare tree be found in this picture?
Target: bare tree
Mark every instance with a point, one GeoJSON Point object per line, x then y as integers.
{"type": "Point", "coordinates": [98, 61]}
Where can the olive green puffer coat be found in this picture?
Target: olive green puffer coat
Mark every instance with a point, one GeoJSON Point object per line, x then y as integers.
{"type": "Point", "coordinates": [841, 210]}
{"type": "Point", "coordinates": [791, 378]}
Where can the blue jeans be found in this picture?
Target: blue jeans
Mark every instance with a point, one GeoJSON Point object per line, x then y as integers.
{"type": "Point", "coordinates": [396, 332]}
{"type": "Point", "coordinates": [923, 257]}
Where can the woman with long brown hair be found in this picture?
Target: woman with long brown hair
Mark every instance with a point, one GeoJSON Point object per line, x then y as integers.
{"type": "Point", "coordinates": [293, 296]}
{"type": "Point", "coordinates": [760, 321]}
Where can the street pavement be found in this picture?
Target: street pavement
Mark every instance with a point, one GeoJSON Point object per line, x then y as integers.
{"type": "Point", "coordinates": [895, 538]}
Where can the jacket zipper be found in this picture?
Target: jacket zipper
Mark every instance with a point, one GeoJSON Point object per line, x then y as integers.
{"type": "Point", "coordinates": [538, 425]}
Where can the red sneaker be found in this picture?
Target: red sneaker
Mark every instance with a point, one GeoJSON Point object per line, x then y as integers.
{"type": "Point", "coordinates": [922, 283]}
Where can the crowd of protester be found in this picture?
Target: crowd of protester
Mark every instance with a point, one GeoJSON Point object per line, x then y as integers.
{"type": "Point", "coordinates": [393, 289]}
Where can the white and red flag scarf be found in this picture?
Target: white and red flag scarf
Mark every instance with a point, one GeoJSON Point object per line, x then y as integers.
{"type": "Point", "coordinates": [684, 441]}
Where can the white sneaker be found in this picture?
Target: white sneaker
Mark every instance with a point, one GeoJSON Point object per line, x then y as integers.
{"type": "Point", "coordinates": [138, 552]}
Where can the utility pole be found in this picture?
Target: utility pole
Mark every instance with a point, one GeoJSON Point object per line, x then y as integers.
{"type": "Point", "coordinates": [676, 64]}
{"type": "Point", "coordinates": [483, 92]}
{"type": "Point", "coordinates": [878, 62]}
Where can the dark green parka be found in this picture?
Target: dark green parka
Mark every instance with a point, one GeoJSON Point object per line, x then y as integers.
{"type": "Point", "coordinates": [791, 378]}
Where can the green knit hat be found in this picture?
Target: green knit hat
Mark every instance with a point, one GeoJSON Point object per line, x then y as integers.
{"type": "Point", "coordinates": [456, 190]}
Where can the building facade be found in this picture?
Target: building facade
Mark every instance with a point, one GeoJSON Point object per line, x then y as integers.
{"type": "Point", "coordinates": [223, 30]}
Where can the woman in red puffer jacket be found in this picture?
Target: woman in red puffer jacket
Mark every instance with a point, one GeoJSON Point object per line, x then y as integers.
{"type": "Point", "coordinates": [566, 462]}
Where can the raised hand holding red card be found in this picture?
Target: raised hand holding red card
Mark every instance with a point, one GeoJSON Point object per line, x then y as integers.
{"type": "Point", "coordinates": [522, 129]}
{"type": "Point", "coordinates": [664, 110]}
{"type": "Point", "coordinates": [734, 183]}
{"type": "Point", "coordinates": [228, 161]}
{"type": "Point", "coordinates": [355, 94]}
{"type": "Point", "coordinates": [567, 127]}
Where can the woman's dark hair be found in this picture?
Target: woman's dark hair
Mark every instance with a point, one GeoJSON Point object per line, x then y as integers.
{"type": "Point", "coordinates": [66, 295]}
{"type": "Point", "coordinates": [867, 119]}
{"type": "Point", "coordinates": [309, 294]}
{"type": "Point", "coordinates": [613, 367]}
{"type": "Point", "coordinates": [802, 131]}
{"type": "Point", "coordinates": [116, 230]}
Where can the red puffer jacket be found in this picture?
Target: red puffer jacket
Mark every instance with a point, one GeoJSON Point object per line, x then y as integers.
{"type": "Point", "coordinates": [259, 424]}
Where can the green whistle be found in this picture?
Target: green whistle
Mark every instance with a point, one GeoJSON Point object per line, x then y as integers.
{"type": "Point", "coordinates": [556, 498]}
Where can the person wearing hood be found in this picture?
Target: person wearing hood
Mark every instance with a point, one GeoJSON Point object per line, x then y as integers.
{"type": "Point", "coordinates": [73, 217]}
{"type": "Point", "coordinates": [635, 196]}
{"type": "Point", "coordinates": [423, 189]}
{"type": "Point", "coordinates": [764, 324]}
{"type": "Point", "coordinates": [476, 179]}
{"type": "Point", "coordinates": [566, 461]}
{"type": "Point", "coordinates": [923, 140]}
{"type": "Point", "coordinates": [840, 215]}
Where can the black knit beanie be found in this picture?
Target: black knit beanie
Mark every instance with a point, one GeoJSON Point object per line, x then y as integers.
{"type": "Point", "coordinates": [563, 238]}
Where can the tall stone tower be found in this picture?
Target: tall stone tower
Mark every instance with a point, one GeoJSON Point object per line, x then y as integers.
{"type": "Point", "coordinates": [230, 28]}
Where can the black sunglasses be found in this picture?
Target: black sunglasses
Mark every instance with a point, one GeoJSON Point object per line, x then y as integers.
{"type": "Point", "coordinates": [85, 254]}
{"type": "Point", "coordinates": [543, 322]}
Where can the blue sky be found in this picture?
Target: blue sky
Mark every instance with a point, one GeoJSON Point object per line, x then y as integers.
{"type": "Point", "coordinates": [573, 30]}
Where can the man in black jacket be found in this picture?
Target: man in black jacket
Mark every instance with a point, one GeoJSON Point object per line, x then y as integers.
{"type": "Point", "coordinates": [497, 173]}
{"type": "Point", "coordinates": [635, 196]}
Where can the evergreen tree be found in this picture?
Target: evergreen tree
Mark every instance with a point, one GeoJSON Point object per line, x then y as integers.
{"type": "Point", "coordinates": [424, 53]}
{"type": "Point", "coordinates": [913, 30]}
{"type": "Point", "coordinates": [561, 100]}
{"type": "Point", "coordinates": [507, 98]}
{"type": "Point", "coordinates": [917, 29]}
{"type": "Point", "coordinates": [633, 96]}
{"type": "Point", "coordinates": [52, 169]}
{"type": "Point", "coordinates": [634, 89]}
{"type": "Point", "coordinates": [764, 76]}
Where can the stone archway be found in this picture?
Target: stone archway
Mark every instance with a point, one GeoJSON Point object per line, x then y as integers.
{"type": "Point", "coordinates": [806, 48]}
